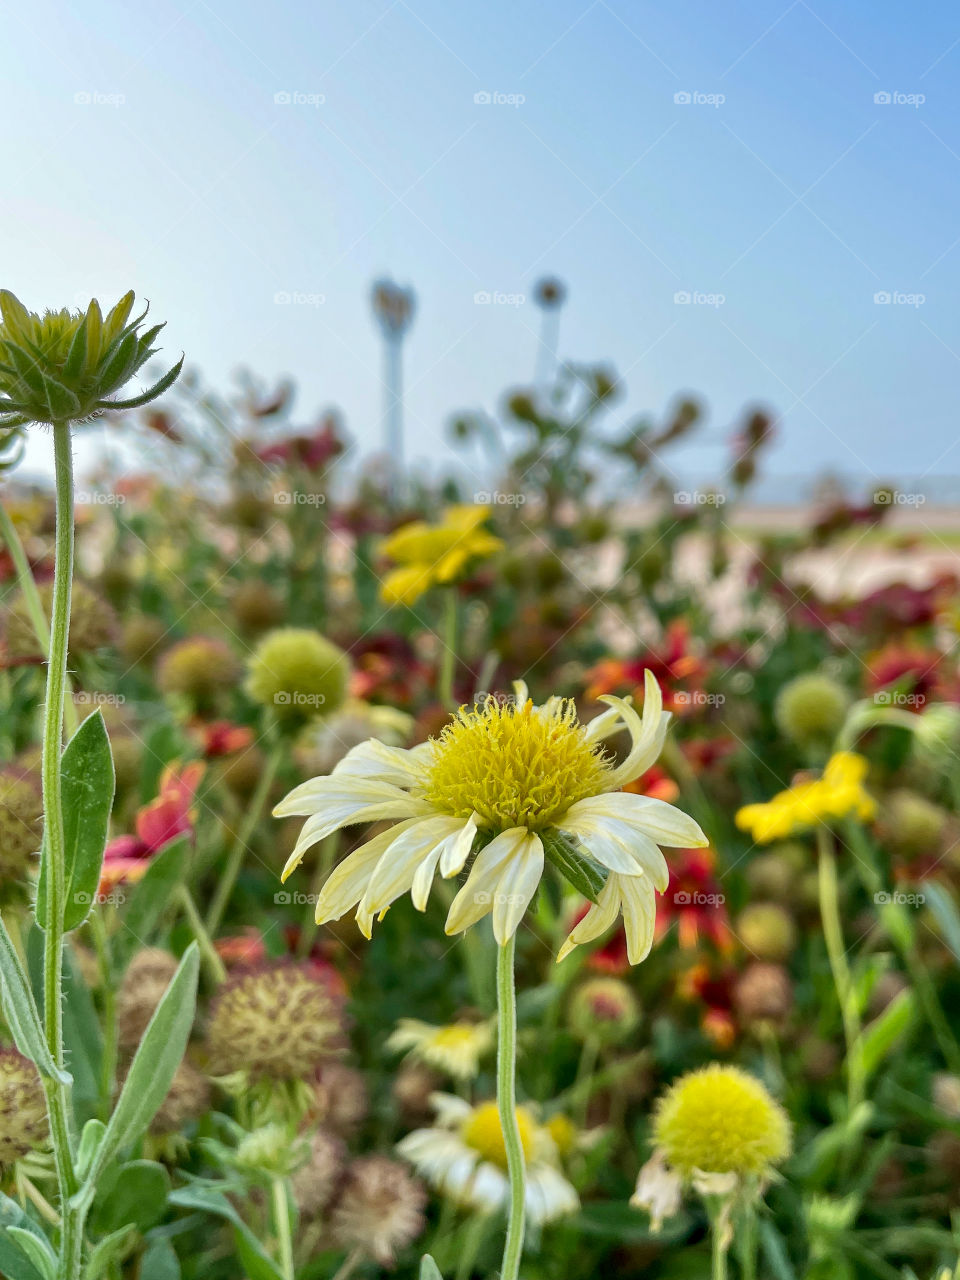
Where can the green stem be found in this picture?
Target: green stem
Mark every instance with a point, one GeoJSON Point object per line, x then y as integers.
{"type": "Point", "coordinates": [718, 1253]}
{"type": "Point", "coordinates": [507, 1104]}
{"type": "Point", "coordinates": [235, 857]}
{"type": "Point", "coordinates": [71, 1238]}
{"type": "Point", "coordinates": [833, 936]}
{"type": "Point", "coordinates": [281, 1215]}
{"type": "Point", "coordinates": [448, 655]}
{"type": "Point", "coordinates": [208, 951]}
{"type": "Point", "coordinates": [109, 1065]}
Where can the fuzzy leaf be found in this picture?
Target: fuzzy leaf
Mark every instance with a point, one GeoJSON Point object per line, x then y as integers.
{"type": "Point", "coordinates": [60, 400]}
{"type": "Point", "coordinates": [37, 1249]}
{"type": "Point", "coordinates": [88, 785]}
{"type": "Point", "coordinates": [157, 389]}
{"type": "Point", "coordinates": [20, 1011]}
{"type": "Point", "coordinates": [118, 315]}
{"type": "Point", "coordinates": [586, 875]}
{"type": "Point", "coordinates": [77, 355]}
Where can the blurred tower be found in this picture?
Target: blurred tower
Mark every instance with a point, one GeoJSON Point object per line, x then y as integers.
{"type": "Point", "coordinates": [549, 294]}
{"type": "Point", "coordinates": [393, 308]}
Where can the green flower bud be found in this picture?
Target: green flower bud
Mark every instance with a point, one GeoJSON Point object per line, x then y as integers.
{"type": "Point", "coordinates": [937, 735]}
{"type": "Point", "coordinates": [63, 366]}
{"type": "Point", "coordinates": [269, 1151]}
{"type": "Point", "coordinates": [911, 824]}
{"type": "Point", "coordinates": [298, 674]}
{"type": "Point", "coordinates": [767, 931]}
{"type": "Point", "coordinates": [198, 669]}
{"type": "Point", "coordinates": [811, 708]}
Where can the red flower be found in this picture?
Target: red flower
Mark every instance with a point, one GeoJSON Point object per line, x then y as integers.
{"type": "Point", "coordinates": [222, 738]}
{"type": "Point", "coordinates": [673, 665]}
{"type": "Point", "coordinates": [169, 815]}
{"type": "Point", "coordinates": [694, 900]}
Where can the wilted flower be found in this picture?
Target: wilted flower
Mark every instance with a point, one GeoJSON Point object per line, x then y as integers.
{"type": "Point", "coordinates": [431, 555]}
{"type": "Point", "coordinates": [298, 674]}
{"type": "Point", "coordinates": [23, 1108]}
{"type": "Point", "coordinates": [519, 775]}
{"type": "Point", "coordinates": [465, 1158]}
{"type": "Point", "coordinates": [379, 1209]}
{"type": "Point", "coordinates": [314, 1183]}
{"type": "Point", "coordinates": [811, 708]}
{"type": "Point", "coordinates": [838, 793]}
{"type": "Point", "coordinates": [63, 366]}
{"type": "Point", "coordinates": [278, 1023]}
{"type": "Point", "coordinates": [455, 1049]}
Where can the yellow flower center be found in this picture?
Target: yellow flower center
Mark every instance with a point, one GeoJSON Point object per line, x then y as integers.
{"type": "Point", "coordinates": [482, 1131]}
{"type": "Point", "coordinates": [721, 1120]}
{"type": "Point", "coordinates": [453, 1038]}
{"type": "Point", "coordinates": [514, 766]}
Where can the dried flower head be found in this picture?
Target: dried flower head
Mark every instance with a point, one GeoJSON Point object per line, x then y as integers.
{"type": "Point", "coordinates": [21, 826]}
{"type": "Point", "coordinates": [379, 1209]}
{"type": "Point", "coordinates": [198, 669]}
{"type": "Point", "coordinates": [23, 1108]}
{"type": "Point", "coordinates": [92, 624]}
{"type": "Point", "coordinates": [315, 1181]}
{"type": "Point", "coordinates": [148, 975]}
{"type": "Point", "coordinates": [341, 1100]}
{"type": "Point", "coordinates": [279, 1022]}
{"type": "Point", "coordinates": [187, 1100]}
{"type": "Point", "coordinates": [64, 365]}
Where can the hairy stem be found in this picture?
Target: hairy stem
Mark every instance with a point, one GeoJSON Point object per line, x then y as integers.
{"type": "Point", "coordinates": [507, 1104]}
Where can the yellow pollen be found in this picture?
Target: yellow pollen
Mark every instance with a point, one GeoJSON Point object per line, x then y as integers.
{"type": "Point", "coordinates": [482, 1131]}
{"type": "Point", "coordinates": [453, 1037]}
{"type": "Point", "coordinates": [514, 766]}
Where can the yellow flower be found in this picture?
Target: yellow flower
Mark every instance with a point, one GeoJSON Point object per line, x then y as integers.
{"type": "Point", "coordinates": [521, 782]}
{"type": "Point", "coordinates": [838, 793]}
{"type": "Point", "coordinates": [721, 1120]}
{"type": "Point", "coordinates": [456, 1049]}
{"type": "Point", "coordinates": [428, 555]}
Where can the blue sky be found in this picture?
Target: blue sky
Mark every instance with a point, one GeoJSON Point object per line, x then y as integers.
{"type": "Point", "coordinates": [144, 147]}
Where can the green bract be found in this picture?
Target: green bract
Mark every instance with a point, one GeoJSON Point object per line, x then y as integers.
{"type": "Point", "coordinates": [63, 365]}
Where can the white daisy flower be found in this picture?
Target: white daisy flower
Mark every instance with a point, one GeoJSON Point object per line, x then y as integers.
{"type": "Point", "coordinates": [520, 781]}
{"type": "Point", "coordinates": [463, 1157]}
{"type": "Point", "coordinates": [455, 1049]}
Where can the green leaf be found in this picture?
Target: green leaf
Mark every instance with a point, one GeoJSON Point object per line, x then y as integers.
{"type": "Point", "coordinates": [13, 1261]}
{"type": "Point", "coordinates": [15, 314]}
{"type": "Point", "coordinates": [90, 1140]}
{"type": "Point", "coordinates": [155, 1063]}
{"type": "Point", "coordinates": [885, 1032]}
{"type": "Point", "coordinates": [112, 1248]}
{"type": "Point", "coordinates": [77, 355]}
{"type": "Point", "coordinates": [586, 875]}
{"type": "Point", "coordinates": [20, 1011]}
{"type": "Point", "coordinates": [133, 1194]}
{"type": "Point", "coordinates": [257, 1264]}
{"type": "Point", "coordinates": [429, 1269]}
{"type": "Point", "coordinates": [160, 1261]}
{"type": "Point", "coordinates": [121, 363]}
{"type": "Point", "coordinates": [88, 785]}
{"type": "Point", "coordinates": [117, 317]}
{"type": "Point", "coordinates": [151, 894]}
{"type": "Point", "coordinates": [945, 913]}
{"type": "Point", "coordinates": [37, 1249]}
{"type": "Point", "coordinates": [775, 1251]}
{"type": "Point", "coordinates": [157, 389]}
{"type": "Point", "coordinates": [83, 1040]}
{"type": "Point", "coordinates": [60, 400]}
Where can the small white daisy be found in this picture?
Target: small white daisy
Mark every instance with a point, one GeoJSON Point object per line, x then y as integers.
{"type": "Point", "coordinates": [463, 1157]}
{"type": "Point", "coordinates": [455, 1049]}
{"type": "Point", "coordinates": [510, 777]}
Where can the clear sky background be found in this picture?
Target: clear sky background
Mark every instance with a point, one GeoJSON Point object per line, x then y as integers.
{"type": "Point", "coordinates": [144, 146]}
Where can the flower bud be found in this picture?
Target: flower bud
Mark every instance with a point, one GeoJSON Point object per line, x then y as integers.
{"type": "Point", "coordinates": [604, 1009]}
{"type": "Point", "coordinates": [811, 708]}
{"type": "Point", "coordinates": [298, 674]}
{"type": "Point", "coordinates": [767, 931]}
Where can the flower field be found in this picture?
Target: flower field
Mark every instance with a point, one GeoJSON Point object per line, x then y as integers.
{"type": "Point", "coordinates": [468, 878]}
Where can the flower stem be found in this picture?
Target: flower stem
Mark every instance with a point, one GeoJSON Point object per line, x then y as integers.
{"type": "Point", "coordinates": [71, 1239]}
{"type": "Point", "coordinates": [507, 1104]}
{"type": "Point", "coordinates": [718, 1253]}
{"type": "Point", "coordinates": [833, 936]}
{"type": "Point", "coordinates": [208, 952]}
{"type": "Point", "coordinates": [281, 1215]}
{"type": "Point", "coordinates": [235, 857]}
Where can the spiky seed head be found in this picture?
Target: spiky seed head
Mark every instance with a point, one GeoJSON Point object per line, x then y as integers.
{"type": "Point", "coordinates": [341, 1098]}
{"type": "Point", "coordinates": [278, 1022]}
{"type": "Point", "coordinates": [187, 1100]}
{"type": "Point", "coordinates": [92, 624]}
{"type": "Point", "coordinates": [379, 1209]}
{"type": "Point", "coordinates": [21, 826]}
{"type": "Point", "coordinates": [148, 975]}
{"type": "Point", "coordinates": [23, 1108]}
{"type": "Point", "coordinates": [197, 668]}
{"type": "Point", "coordinates": [811, 708]}
{"type": "Point", "coordinates": [315, 1181]}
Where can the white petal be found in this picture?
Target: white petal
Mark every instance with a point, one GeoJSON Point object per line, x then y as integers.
{"type": "Point", "coordinates": [605, 725]}
{"type": "Point", "coordinates": [516, 887]}
{"type": "Point", "coordinates": [348, 813]}
{"type": "Point", "coordinates": [347, 882]}
{"type": "Point", "coordinates": [475, 899]}
{"type": "Point", "coordinates": [374, 759]}
{"type": "Point", "coordinates": [457, 851]}
{"type": "Point", "coordinates": [662, 822]}
{"type": "Point", "coordinates": [334, 789]}
{"type": "Point", "coordinates": [639, 915]}
{"type": "Point", "coordinates": [647, 734]}
{"type": "Point", "coordinates": [597, 921]}
{"type": "Point", "coordinates": [394, 873]}
{"type": "Point", "coordinates": [489, 1189]}
{"type": "Point", "coordinates": [549, 1195]}
{"type": "Point", "coordinates": [620, 848]}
